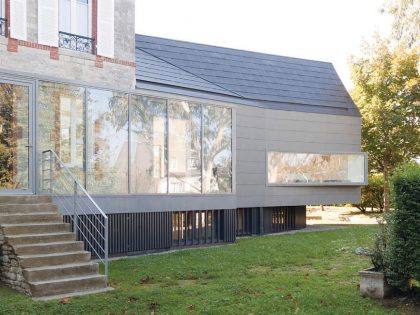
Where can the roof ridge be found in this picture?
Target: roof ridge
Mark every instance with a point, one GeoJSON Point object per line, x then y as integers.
{"type": "Point", "coordinates": [193, 74]}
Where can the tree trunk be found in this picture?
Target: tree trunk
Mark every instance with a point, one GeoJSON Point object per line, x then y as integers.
{"type": "Point", "coordinates": [386, 190]}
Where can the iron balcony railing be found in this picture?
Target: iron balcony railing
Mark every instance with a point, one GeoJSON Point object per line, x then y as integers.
{"type": "Point", "coordinates": [86, 218]}
{"type": "Point", "coordinates": [75, 42]}
{"type": "Point", "coordinates": [3, 27]}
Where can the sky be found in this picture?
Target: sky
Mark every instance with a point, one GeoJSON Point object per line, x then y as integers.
{"type": "Point", "coordinates": [326, 30]}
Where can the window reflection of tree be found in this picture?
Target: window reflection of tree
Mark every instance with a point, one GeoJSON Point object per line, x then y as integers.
{"type": "Point", "coordinates": [14, 109]}
{"type": "Point", "coordinates": [148, 145]}
{"type": "Point", "coordinates": [107, 145]}
{"type": "Point", "coordinates": [185, 146]}
{"type": "Point", "coordinates": [307, 167]}
{"type": "Point", "coordinates": [217, 148]}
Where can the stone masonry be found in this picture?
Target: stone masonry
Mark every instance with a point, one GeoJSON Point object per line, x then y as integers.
{"type": "Point", "coordinates": [11, 273]}
{"type": "Point", "coordinates": [59, 63]}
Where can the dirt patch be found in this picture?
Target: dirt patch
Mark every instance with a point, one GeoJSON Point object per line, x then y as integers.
{"type": "Point", "coordinates": [339, 215]}
{"type": "Point", "coordinates": [405, 304]}
{"type": "Point", "coordinates": [261, 269]}
{"type": "Point", "coordinates": [184, 283]}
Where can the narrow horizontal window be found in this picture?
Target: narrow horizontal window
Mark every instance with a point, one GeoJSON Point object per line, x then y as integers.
{"type": "Point", "coordinates": [316, 168]}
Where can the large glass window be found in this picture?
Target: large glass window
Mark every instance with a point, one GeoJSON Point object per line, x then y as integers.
{"type": "Point", "coordinates": [148, 145]}
{"type": "Point", "coordinates": [61, 123]}
{"type": "Point", "coordinates": [14, 136]}
{"type": "Point", "coordinates": [184, 147]}
{"type": "Point", "coordinates": [174, 146]}
{"type": "Point", "coordinates": [313, 168]}
{"type": "Point", "coordinates": [217, 149]}
{"type": "Point", "coordinates": [107, 142]}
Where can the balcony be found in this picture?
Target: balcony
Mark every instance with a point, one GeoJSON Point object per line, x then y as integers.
{"type": "Point", "coordinates": [75, 42]}
{"type": "Point", "coordinates": [3, 27]}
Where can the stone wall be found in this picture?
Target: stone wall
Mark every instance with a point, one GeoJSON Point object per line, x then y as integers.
{"type": "Point", "coordinates": [11, 273]}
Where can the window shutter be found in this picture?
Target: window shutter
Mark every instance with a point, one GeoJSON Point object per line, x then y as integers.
{"type": "Point", "coordinates": [48, 22]}
{"type": "Point", "coordinates": [105, 39]}
{"type": "Point", "coordinates": [18, 19]}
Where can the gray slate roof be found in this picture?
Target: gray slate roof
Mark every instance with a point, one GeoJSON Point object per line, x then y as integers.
{"type": "Point", "coordinates": [239, 76]}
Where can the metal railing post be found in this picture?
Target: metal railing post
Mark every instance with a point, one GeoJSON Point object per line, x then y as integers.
{"type": "Point", "coordinates": [106, 246]}
{"type": "Point", "coordinates": [75, 216]}
{"type": "Point", "coordinates": [51, 170]}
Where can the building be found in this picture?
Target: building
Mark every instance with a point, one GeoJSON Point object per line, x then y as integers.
{"type": "Point", "coordinates": [180, 144]}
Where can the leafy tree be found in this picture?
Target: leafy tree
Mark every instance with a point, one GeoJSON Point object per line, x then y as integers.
{"type": "Point", "coordinates": [387, 92]}
{"type": "Point", "coordinates": [373, 194]}
{"type": "Point", "coordinates": [406, 20]}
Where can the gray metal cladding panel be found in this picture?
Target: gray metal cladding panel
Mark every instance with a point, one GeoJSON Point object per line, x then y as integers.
{"type": "Point", "coordinates": [251, 75]}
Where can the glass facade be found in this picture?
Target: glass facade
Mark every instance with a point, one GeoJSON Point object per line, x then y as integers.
{"type": "Point", "coordinates": [148, 145]}
{"type": "Point", "coordinates": [184, 147]}
{"type": "Point", "coordinates": [316, 168]}
{"type": "Point", "coordinates": [14, 136]}
{"type": "Point", "coordinates": [107, 142]}
{"type": "Point", "coordinates": [117, 143]}
{"type": "Point", "coordinates": [217, 149]}
{"type": "Point", "coordinates": [61, 124]}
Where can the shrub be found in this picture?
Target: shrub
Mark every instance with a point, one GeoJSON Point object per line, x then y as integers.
{"type": "Point", "coordinates": [377, 255]}
{"type": "Point", "coordinates": [372, 194]}
{"type": "Point", "coordinates": [402, 256]}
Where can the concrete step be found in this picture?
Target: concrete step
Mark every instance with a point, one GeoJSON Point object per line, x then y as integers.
{"type": "Point", "coordinates": [23, 199]}
{"type": "Point", "coordinates": [27, 239]}
{"type": "Point", "coordinates": [49, 248]}
{"type": "Point", "coordinates": [60, 271]}
{"type": "Point", "coordinates": [15, 208]}
{"type": "Point", "coordinates": [67, 285]}
{"type": "Point", "coordinates": [22, 218]}
{"type": "Point", "coordinates": [39, 228]}
{"type": "Point", "coordinates": [43, 260]}
{"type": "Point", "coordinates": [82, 293]}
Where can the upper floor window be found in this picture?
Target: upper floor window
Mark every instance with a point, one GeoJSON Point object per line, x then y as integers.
{"type": "Point", "coordinates": [74, 17]}
{"type": "Point", "coordinates": [2, 18]}
{"type": "Point", "coordinates": [75, 25]}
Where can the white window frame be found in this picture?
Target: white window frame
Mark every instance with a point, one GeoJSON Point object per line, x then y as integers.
{"type": "Point", "coordinates": [73, 18]}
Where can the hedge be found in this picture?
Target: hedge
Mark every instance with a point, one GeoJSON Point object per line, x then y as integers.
{"type": "Point", "coordinates": [403, 252]}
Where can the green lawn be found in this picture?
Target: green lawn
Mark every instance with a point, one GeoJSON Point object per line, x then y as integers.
{"type": "Point", "coordinates": [304, 273]}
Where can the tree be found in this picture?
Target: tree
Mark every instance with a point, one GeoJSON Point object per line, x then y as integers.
{"type": "Point", "coordinates": [387, 92]}
{"type": "Point", "coordinates": [372, 194]}
{"type": "Point", "coordinates": [406, 20]}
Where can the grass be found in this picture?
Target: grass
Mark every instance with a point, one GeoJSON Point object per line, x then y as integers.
{"type": "Point", "coordinates": [303, 273]}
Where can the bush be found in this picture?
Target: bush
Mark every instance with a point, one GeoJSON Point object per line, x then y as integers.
{"type": "Point", "coordinates": [372, 194]}
{"type": "Point", "coordinates": [377, 255]}
{"type": "Point", "coordinates": [402, 256]}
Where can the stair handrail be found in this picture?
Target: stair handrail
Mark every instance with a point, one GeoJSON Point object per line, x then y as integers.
{"type": "Point", "coordinates": [77, 227]}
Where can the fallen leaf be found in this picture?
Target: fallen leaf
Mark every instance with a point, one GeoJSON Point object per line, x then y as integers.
{"type": "Point", "coordinates": [146, 280]}
{"type": "Point", "coordinates": [64, 301]}
{"type": "Point", "coordinates": [132, 299]}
